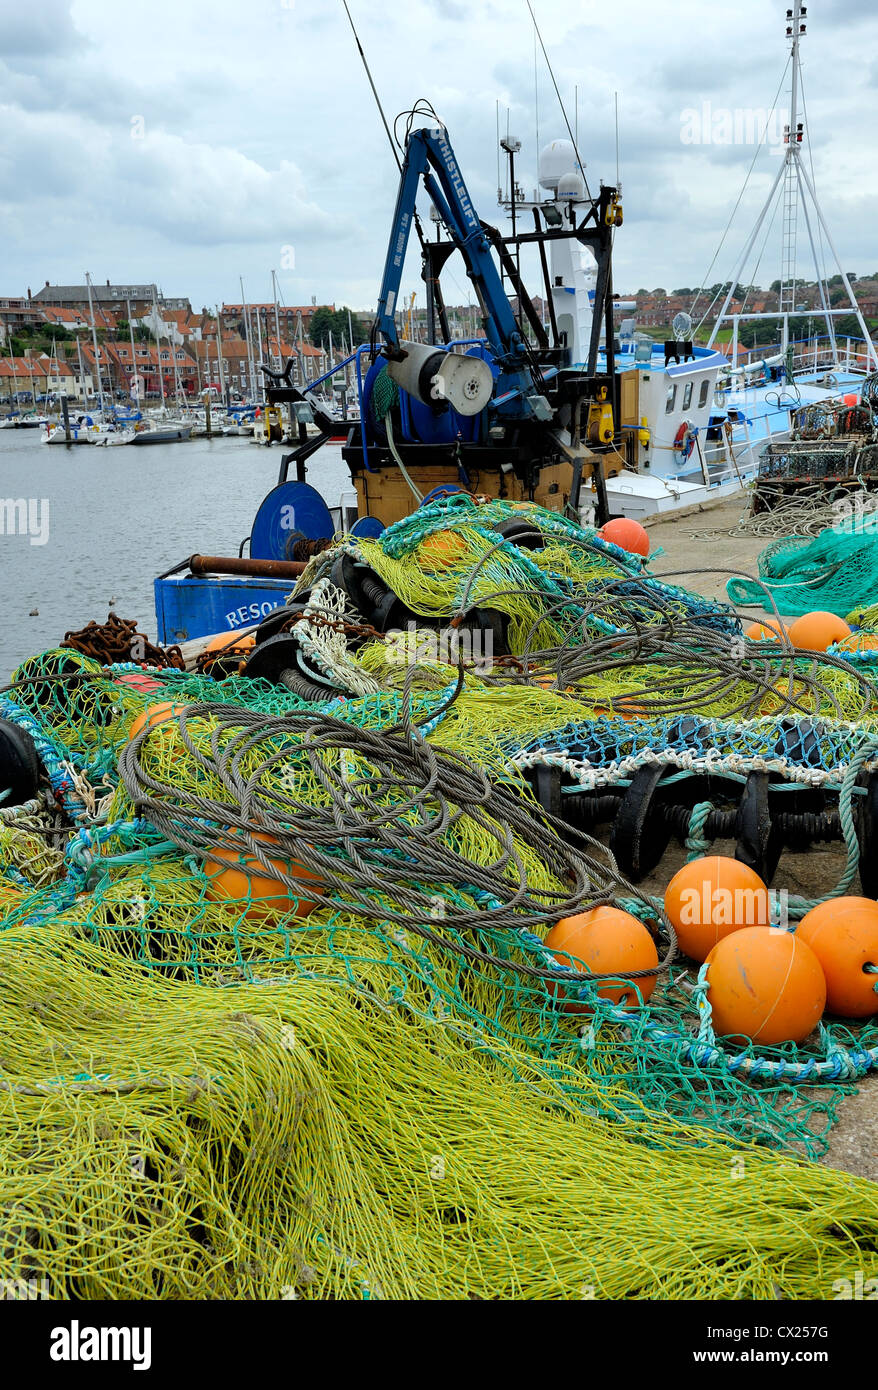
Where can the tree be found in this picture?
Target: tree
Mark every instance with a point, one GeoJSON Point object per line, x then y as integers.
{"type": "Point", "coordinates": [325, 321]}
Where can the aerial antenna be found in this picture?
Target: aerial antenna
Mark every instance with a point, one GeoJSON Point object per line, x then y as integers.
{"type": "Point", "coordinates": [499, 184]}
{"type": "Point", "coordinates": [618, 178]}
{"type": "Point", "coordinates": [372, 85]}
{"type": "Point", "coordinates": [558, 95]}
{"type": "Point", "coordinates": [536, 98]}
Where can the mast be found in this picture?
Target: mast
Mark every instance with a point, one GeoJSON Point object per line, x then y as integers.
{"type": "Point", "coordinates": [248, 338]}
{"type": "Point", "coordinates": [219, 356]}
{"type": "Point", "coordinates": [279, 362]}
{"type": "Point", "coordinates": [798, 188]}
{"type": "Point", "coordinates": [158, 349]}
{"type": "Point", "coordinates": [135, 381]}
{"type": "Point", "coordinates": [94, 339]}
{"type": "Point", "coordinates": [79, 357]}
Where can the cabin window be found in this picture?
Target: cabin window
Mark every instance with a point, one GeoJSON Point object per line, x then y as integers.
{"type": "Point", "coordinates": [671, 399]}
{"type": "Point", "coordinates": [687, 395]}
{"type": "Point", "coordinates": [702, 394]}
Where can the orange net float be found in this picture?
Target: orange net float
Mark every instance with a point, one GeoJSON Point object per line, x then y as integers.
{"type": "Point", "coordinates": [442, 549]}
{"type": "Point", "coordinates": [605, 941]}
{"type": "Point", "coordinates": [712, 897]}
{"type": "Point", "coordinates": [225, 651]}
{"type": "Point", "coordinates": [236, 876]}
{"type": "Point", "coordinates": [766, 985]}
{"type": "Point", "coordinates": [627, 533]}
{"type": "Point", "coordinates": [815, 632]}
{"type": "Point", "coordinates": [843, 934]}
{"type": "Point", "coordinates": [154, 715]}
{"type": "Point", "coordinates": [859, 642]}
{"type": "Point", "coordinates": [766, 632]}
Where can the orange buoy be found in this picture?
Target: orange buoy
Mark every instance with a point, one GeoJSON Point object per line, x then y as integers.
{"type": "Point", "coordinates": [627, 533]}
{"type": "Point", "coordinates": [816, 631]}
{"type": "Point", "coordinates": [226, 649]}
{"type": "Point", "coordinates": [237, 876]}
{"type": "Point", "coordinates": [859, 642]}
{"type": "Point", "coordinates": [603, 941]}
{"type": "Point", "coordinates": [766, 985]}
{"type": "Point", "coordinates": [441, 549]}
{"type": "Point", "coordinates": [154, 715]}
{"type": "Point", "coordinates": [711, 897]}
{"type": "Point", "coordinates": [774, 631]}
{"type": "Point", "coordinates": [843, 934]}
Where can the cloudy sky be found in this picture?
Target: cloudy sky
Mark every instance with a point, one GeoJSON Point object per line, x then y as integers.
{"type": "Point", "coordinates": [192, 143]}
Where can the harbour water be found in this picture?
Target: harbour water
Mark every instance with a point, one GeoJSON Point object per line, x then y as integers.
{"type": "Point", "coordinates": [115, 518]}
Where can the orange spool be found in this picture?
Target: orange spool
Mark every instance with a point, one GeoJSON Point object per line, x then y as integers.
{"type": "Point", "coordinates": [627, 533]}
{"type": "Point", "coordinates": [236, 876]}
{"type": "Point", "coordinates": [816, 631]}
{"type": "Point", "coordinates": [766, 632]}
{"type": "Point", "coordinates": [153, 716]}
{"type": "Point", "coordinates": [712, 897]}
{"type": "Point", "coordinates": [765, 985]}
{"type": "Point", "coordinates": [605, 941]}
{"type": "Point", "coordinates": [843, 934]}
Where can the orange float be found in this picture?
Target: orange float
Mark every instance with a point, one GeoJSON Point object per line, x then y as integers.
{"type": "Point", "coordinates": [606, 941]}
{"type": "Point", "coordinates": [816, 631]}
{"type": "Point", "coordinates": [154, 715]}
{"type": "Point", "coordinates": [441, 549]}
{"type": "Point", "coordinates": [711, 897]}
{"type": "Point", "coordinates": [859, 642]}
{"type": "Point", "coordinates": [236, 876]}
{"type": "Point", "coordinates": [766, 632]}
{"type": "Point", "coordinates": [227, 648]}
{"type": "Point", "coordinates": [627, 533]}
{"type": "Point", "coordinates": [766, 985]}
{"type": "Point", "coordinates": [843, 934]}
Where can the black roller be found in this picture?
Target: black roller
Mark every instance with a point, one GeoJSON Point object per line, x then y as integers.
{"type": "Point", "coordinates": [20, 767]}
{"type": "Point", "coordinates": [279, 659]}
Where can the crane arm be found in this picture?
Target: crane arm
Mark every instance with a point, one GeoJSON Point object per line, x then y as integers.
{"type": "Point", "coordinates": [429, 156]}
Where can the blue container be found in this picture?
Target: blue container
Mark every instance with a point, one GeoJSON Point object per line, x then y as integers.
{"type": "Point", "coordinates": [187, 607]}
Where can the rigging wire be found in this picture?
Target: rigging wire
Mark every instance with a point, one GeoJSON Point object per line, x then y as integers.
{"type": "Point", "coordinates": [560, 100]}
{"type": "Point", "coordinates": [372, 85]}
{"type": "Point", "coordinates": [735, 208]}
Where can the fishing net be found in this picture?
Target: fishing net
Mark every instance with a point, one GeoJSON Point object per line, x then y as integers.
{"type": "Point", "coordinates": [162, 1139]}
{"type": "Point", "coordinates": [278, 1018]}
{"type": "Point", "coordinates": [832, 572]}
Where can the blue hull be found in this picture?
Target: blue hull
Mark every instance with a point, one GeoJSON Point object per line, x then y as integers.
{"type": "Point", "coordinates": [188, 607]}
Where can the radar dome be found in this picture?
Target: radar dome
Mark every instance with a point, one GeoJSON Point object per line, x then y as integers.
{"type": "Point", "coordinates": [556, 159]}
{"type": "Point", "coordinates": [571, 186]}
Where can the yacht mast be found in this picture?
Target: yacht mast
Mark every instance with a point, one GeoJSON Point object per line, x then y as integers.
{"type": "Point", "coordinates": [135, 380]}
{"type": "Point", "coordinates": [94, 340]}
{"type": "Point", "coordinates": [158, 348]}
{"type": "Point", "coordinates": [219, 356]}
{"type": "Point", "coordinates": [279, 363]}
{"type": "Point", "coordinates": [248, 338]}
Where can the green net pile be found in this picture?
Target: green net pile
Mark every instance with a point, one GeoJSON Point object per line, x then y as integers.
{"type": "Point", "coordinates": [835, 571]}
{"type": "Point", "coordinates": [276, 1017]}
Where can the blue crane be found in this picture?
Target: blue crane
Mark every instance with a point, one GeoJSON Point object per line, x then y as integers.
{"type": "Point", "coordinates": [429, 156]}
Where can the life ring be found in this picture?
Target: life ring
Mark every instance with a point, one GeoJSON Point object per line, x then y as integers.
{"type": "Point", "coordinates": [684, 440]}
